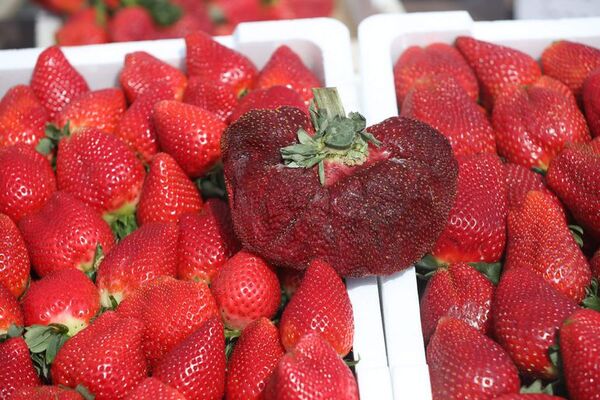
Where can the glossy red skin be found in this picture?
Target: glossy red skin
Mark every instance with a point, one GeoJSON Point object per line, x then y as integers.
{"type": "Point", "coordinates": [101, 109]}
{"type": "Point", "coordinates": [311, 370]}
{"type": "Point", "coordinates": [153, 389]}
{"type": "Point", "coordinates": [82, 28]}
{"type": "Point", "coordinates": [368, 228]}
{"type": "Point", "coordinates": [435, 59]}
{"type": "Point", "coordinates": [595, 264]}
{"type": "Point", "coordinates": [55, 82]}
{"type": "Point", "coordinates": [574, 175]}
{"type": "Point", "coordinates": [441, 102]}
{"type": "Point", "coordinates": [519, 181]}
{"type": "Point", "coordinates": [458, 291]}
{"type": "Point", "coordinates": [189, 23]}
{"type": "Point", "coordinates": [17, 370]}
{"type": "Point", "coordinates": [526, 315]}
{"type": "Point", "coordinates": [196, 366]}
{"type": "Point", "coordinates": [497, 67]}
{"type": "Point", "coordinates": [246, 288]}
{"type": "Point", "coordinates": [591, 101]}
{"type": "Point", "coordinates": [167, 193]}
{"type": "Point", "coordinates": [10, 311]}
{"type": "Point", "coordinates": [466, 364]}
{"type": "Point", "coordinates": [64, 234]}
{"type": "Point", "coordinates": [476, 228]}
{"type": "Point", "coordinates": [131, 24]}
{"type": "Point", "coordinates": [212, 62]}
{"type": "Point", "coordinates": [107, 357]}
{"type": "Point", "coordinates": [206, 242]}
{"type": "Point", "coordinates": [321, 305]}
{"type": "Point", "coordinates": [215, 97]}
{"type": "Point", "coordinates": [46, 393]}
{"type": "Point", "coordinates": [14, 259]}
{"type": "Point", "coordinates": [190, 134]}
{"type": "Point", "coordinates": [22, 117]}
{"type": "Point", "coordinates": [100, 170]}
{"type": "Point", "coordinates": [270, 98]}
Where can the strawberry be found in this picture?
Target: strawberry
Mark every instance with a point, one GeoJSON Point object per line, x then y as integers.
{"type": "Point", "coordinates": [147, 253]}
{"type": "Point", "coordinates": [236, 11]}
{"type": "Point", "coordinates": [55, 82]}
{"type": "Point", "coordinates": [595, 264]}
{"type": "Point", "coordinates": [285, 68]}
{"type": "Point", "coordinates": [519, 181]}
{"type": "Point", "coordinates": [216, 97]}
{"type": "Point", "coordinates": [526, 314]}
{"type": "Point", "coordinates": [458, 291]}
{"type": "Point", "coordinates": [46, 393]}
{"type": "Point", "coordinates": [311, 370]}
{"type": "Point", "coordinates": [246, 288]}
{"type": "Point", "coordinates": [131, 24]}
{"type": "Point", "coordinates": [529, 396]}
{"type": "Point", "coordinates": [570, 63]}
{"type": "Point", "coordinates": [196, 366]}
{"type": "Point", "coordinates": [10, 311]}
{"type": "Point", "coordinates": [574, 175]}
{"type": "Point", "coordinates": [189, 23]}
{"type": "Point", "coordinates": [291, 9]}
{"type": "Point", "coordinates": [153, 389]}
{"type": "Point", "coordinates": [17, 370]}
{"type": "Point", "coordinates": [212, 62]}
{"type": "Point", "coordinates": [436, 59]}
{"type": "Point", "coordinates": [321, 305]}
{"type": "Point", "coordinates": [206, 242]}
{"type": "Point", "coordinates": [547, 82]}
{"type": "Point", "coordinates": [63, 6]}
{"type": "Point", "coordinates": [101, 109]}
{"type": "Point", "coordinates": [167, 193]}
{"type": "Point", "coordinates": [441, 102]}
{"type": "Point", "coordinates": [190, 134]}
{"type": "Point", "coordinates": [253, 360]}
{"type": "Point", "coordinates": [143, 72]}
{"type": "Point", "coordinates": [466, 364]}
{"type": "Point", "coordinates": [84, 27]}
{"type": "Point", "coordinates": [106, 357]}
{"type": "Point", "coordinates": [534, 123]}
{"type": "Point", "coordinates": [591, 101]}
{"type": "Point", "coordinates": [271, 98]}
{"type": "Point", "coordinates": [22, 117]}
{"type": "Point", "coordinates": [476, 229]}
{"type": "Point", "coordinates": [580, 351]}
{"type": "Point", "coordinates": [497, 67]}
{"type": "Point", "coordinates": [64, 234]}
{"type": "Point", "coordinates": [290, 280]}
{"type": "Point", "coordinates": [14, 260]}
{"type": "Point", "coordinates": [99, 169]}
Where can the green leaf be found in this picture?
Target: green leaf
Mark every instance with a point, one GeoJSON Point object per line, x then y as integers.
{"type": "Point", "coordinates": [232, 333]}
{"type": "Point", "coordinates": [539, 170]}
{"type": "Point", "coordinates": [322, 172]}
{"type": "Point", "coordinates": [577, 232]}
{"type": "Point", "coordinates": [491, 271]}
{"type": "Point", "coordinates": [538, 387]}
{"type": "Point", "coordinates": [84, 392]}
{"type": "Point", "coordinates": [352, 363]}
{"type": "Point", "coordinates": [123, 225]}
{"type": "Point", "coordinates": [163, 12]}
{"type": "Point", "coordinates": [304, 137]}
{"type": "Point", "coordinates": [429, 263]}
{"type": "Point", "coordinates": [15, 331]}
{"type": "Point", "coordinates": [592, 298]}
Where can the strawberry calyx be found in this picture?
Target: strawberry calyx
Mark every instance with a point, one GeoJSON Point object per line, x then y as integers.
{"type": "Point", "coordinates": [44, 342]}
{"type": "Point", "coordinates": [54, 134]}
{"type": "Point", "coordinates": [84, 392]}
{"type": "Point", "coordinates": [164, 12]}
{"type": "Point", "coordinates": [429, 265]}
{"type": "Point", "coordinates": [577, 232]}
{"type": "Point", "coordinates": [592, 297]}
{"type": "Point", "coordinates": [491, 271]}
{"type": "Point", "coordinates": [12, 332]}
{"type": "Point", "coordinates": [122, 221]}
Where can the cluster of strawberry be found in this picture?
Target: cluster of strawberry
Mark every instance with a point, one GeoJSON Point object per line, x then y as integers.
{"type": "Point", "coordinates": [128, 312]}
{"type": "Point", "coordinates": [511, 302]}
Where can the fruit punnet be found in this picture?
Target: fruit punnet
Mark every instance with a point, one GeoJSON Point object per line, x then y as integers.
{"type": "Point", "coordinates": [367, 201]}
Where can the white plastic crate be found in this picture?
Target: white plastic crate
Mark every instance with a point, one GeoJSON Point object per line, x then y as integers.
{"type": "Point", "coordinates": [382, 39]}
{"type": "Point", "coordinates": [324, 45]}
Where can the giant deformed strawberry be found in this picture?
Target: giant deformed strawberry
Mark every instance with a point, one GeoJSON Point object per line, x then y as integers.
{"type": "Point", "coordinates": [367, 201]}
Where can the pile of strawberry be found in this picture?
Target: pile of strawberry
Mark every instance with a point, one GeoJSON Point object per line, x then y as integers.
{"type": "Point", "coordinates": [112, 230]}
{"type": "Point", "coordinates": [509, 304]}
{"type": "Point", "coordinates": [103, 21]}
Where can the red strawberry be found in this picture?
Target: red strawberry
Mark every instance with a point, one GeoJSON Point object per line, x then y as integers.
{"type": "Point", "coordinates": [530, 396]}
{"type": "Point", "coordinates": [212, 62]}
{"type": "Point", "coordinates": [106, 357]}
{"type": "Point", "coordinates": [254, 358]}
{"type": "Point", "coordinates": [570, 63]}
{"type": "Point", "coordinates": [17, 370]}
{"type": "Point", "coordinates": [436, 59]}
{"type": "Point", "coordinates": [237, 11]}
{"type": "Point", "coordinates": [22, 117]}
{"type": "Point", "coordinates": [580, 351]}
{"type": "Point", "coordinates": [595, 264]}
{"type": "Point", "coordinates": [321, 305]}
{"type": "Point", "coordinates": [497, 67]}
{"type": "Point", "coordinates": [99, 169]}
{"type": "Point", "coordinates": [290, 280]}
{"type": "Point", "coordinates": [441, 102]}
{"type": "Point", "coordinates": [46, 393]}
{"type": "Point", "coordinates": [64, 234]}
{"type": "Point", "coordinates": [246, 288]}
{"type": "Point", "coordinates": [591, 101]}
{"type": "Point", "coordinates": [63, 6]}
{"type": "Point", "coordinates": [196, 366]}
{"type": "Point", "coordinates": [131, 24]}
{"type": "Point", "coordinates": [270, 98]}
{"type": "Point", "coordinates": [285, 68]}
{"type": "Point", "coordinates": [476, 229]}
{"type": "Point", "coordinates": [147, 253]}
{"type": "Point", "coordinates": [55, 82]}
{"type": "Point", "coordinates": [14, 260]}
{"type": "Point", "coordinates": [311, 370]}
{"type": "Point", "coordinates": [291, 9]}
{"type": "Point", "coordinates": [101, 109]}
{"type": "Point", "coordinates": [190, 134]}
{"type": "Point", "coordinates": [189, 23]}
{"type": "Point", "coordinates": [519, 181]}
{"type": "Point", "coordinates": [143, 72]}
{"type": "Point", "coordinates": [526, 314]}
{"type": "Point", "coordinates": [153, 389]}
{"type": "Point", "coordinates": [167, 193]}
{"type": "Point", "coordinates": [206, 242]}
{"type": "Point", "coordinates": [84, 27]}
{"type": "Point", "coordinates": [10, 312]}
{"type": "Point", "coordinates": [466, 364]}
{"type": "Point", "coordinates": [218, 98]}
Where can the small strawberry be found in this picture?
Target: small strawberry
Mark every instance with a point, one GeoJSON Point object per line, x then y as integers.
{"type": "Point", "coordinates": [46, 393]}
{"type": "Point", "coordinates": [55, 82]}
{"type": "Point", "coordinates": [591, 101]}
{"type": "Point", "coordinates": [22, 117]}
{"type": "Point", "coordinates": [519, 181]}
{"type": "Point", "coordinates": [131, 24]}
{"type": "Point", "coordinates": [466, 364]}
{"type": "Point", "coordinates": [101, 109]}
{"type": "Point", "coordinates": [153, 389]}
{"type": "Point", "coordinates": [246, 288]}
{"type": "Point", "coordinates": [10, 311]}
{"type": "Point", "coordinates": [190, 134]}
{"type": "Point", "coordinates": [321, 305]}
{"type": "Point", "coordinates": [65, 234]}
{"type": "Point", "coordinates": [14, 260]}
{"type": "Point", "coordinates": [196, 366]}
{"type": "Point", "coordinates": [167, 193]}
{"type": "Point", "coordinates": [311, 370]}
{"type": "Point", "coordinates": [84, 27]}
{"type": "Point", "coordinates": [17, 370]}
{"type": "Point", "coordinates": [270, 98]}
{"type": "Point", "coordinates": [218, 98]}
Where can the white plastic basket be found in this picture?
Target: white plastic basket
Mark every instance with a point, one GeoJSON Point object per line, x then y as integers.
{"type": "Point", "coordinates": [324, 45]}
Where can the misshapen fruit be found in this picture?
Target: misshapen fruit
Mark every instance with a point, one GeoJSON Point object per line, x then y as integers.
{"type": "Point", "coordinates": [46, 393]}
{"type": "Point", "coordinates": [591, 101]}
{"type": "Point", "coordinates": [270, 98]}
{"type": "Point", "coordinates": [14, 259]}
{"type": "Point", "coordinates": [153, 389]}
{"type": "Point", "coordinates": [101, 109]}
{"type": "Point", "coordinates": [519, 181]}
{"type": "Point", "coordinates": [22, 117]}
{"type": "Point", "coordinates": [17, 370]}
{"type": "Point", "coordinates": [216, 97]}
{"type": "Point", "coordinates": [10, 311]}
